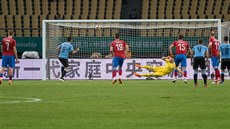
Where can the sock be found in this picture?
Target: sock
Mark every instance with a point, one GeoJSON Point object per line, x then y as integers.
{"type": "Point", "coordinates": [222, 76]}
{"type": "Point", "coordinates": [195, 78]}
{"type": "Point", "coordinates": [185, 74]}
{"type": "Point", "coordinates": [217, 73]}
{"type": "Point", "coordinates": [63, 72]}
{"type": "Point", "coordinates": [114, 74]}
{"type": "Point", "coordinates": [120, 72]}
{"type": "Point", "coordinates": [175, 73]}
{"type": "Point", "coordinates": [204, 78]}
{"type": "Point", "coordinates": [10, 77]}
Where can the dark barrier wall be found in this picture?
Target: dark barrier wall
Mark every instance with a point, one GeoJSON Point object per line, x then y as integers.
{"type": "Point", "coordinates": [101, 44]}
{"type": "Point", "coordinates": [28, 44]}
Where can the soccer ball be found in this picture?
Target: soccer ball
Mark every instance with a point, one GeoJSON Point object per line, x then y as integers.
{"type": "Point", "coordinates": [97, 27]}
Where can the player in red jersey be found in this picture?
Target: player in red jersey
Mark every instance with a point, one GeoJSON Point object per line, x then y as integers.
{"type": "Point", "coordinates": [214, 45]}
{"type": "Point", "coordinates": [119, 50]}
{"type": "Point", "coordinates": [182, 47]}
{"type": "Point", "coordinates": [9, 55]}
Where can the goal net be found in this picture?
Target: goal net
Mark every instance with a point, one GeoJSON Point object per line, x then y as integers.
{"type": "Point", "coordinates": [147, 39]}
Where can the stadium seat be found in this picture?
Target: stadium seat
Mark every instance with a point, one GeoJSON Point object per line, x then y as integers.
{"type": "Point", "coordinates": [201, 7]}
{"type": "Point", "coordinates": [12, 7]}
{"type": "Point", "coordinates": [226, 17]}
{"type": "Point", "coordinates": [153, 9]}
{"type": "Point", "coordinates": [20, 6]}
{"type": "Point", "coordinates": [2, 25]}
{"type": "Point", "coordinates": [209, 7]}
{"type": "Point", "coordinates": [161, 7]}
{"type": "Point", "coordinates": [145, 7]}
{"type": "Point", "coordinates": [69, 7]}
{"type": "Point", "coordinates": [35, 25]}
{"type": "Point", "coordinates": [28, 5]}
{"type": "Point", "coordinates": [9, 21]}
{"type": "Point", "coordinates": [77, 9]}
{"type": "Point", "coordinates": [193, 7]}
{"type": "Point", "coordinates": [93, 9]}
{"type": "Point", "coordinates": [75, 17]}
{"type": "Point", "coordinates": [26, 25]}
{"type": "Point", "coordinates": [53, 8]}
{"type": "Point", "coordinates": [117, 9]}
{"type": "Point", "coordinates": [4, 7]}
{"type": "Point", "coordinates": [67, 17]}
{"type": "Point", "coordinates": [109, 9]}
{"type": "Point", "coordinates": [85, 9]}
{"type": "Point", "coordinates": [37, 7]}
{"type": "Point", "coordinates": [169, 9]}
{"type": "Point", "coordinates": [18, 25]}
{"type": "Point", "coordinates": [217, 7]}
{"type": "Point", "coordinates": [101, 11]}
{"type": "Point", "coordinates": [225, 7]}
{"type": "Point", "coordinates": [61, 8]}
{"type": "Point", "coordinates": [45, 7]}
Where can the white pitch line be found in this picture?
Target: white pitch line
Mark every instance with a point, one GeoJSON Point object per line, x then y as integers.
{"type": "Point", "coordinates": [26, 100]}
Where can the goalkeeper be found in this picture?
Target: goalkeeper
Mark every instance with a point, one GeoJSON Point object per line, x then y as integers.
{"type": "Point", "coordinates": [159, 71]}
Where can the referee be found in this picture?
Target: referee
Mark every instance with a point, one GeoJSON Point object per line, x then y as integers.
{"type": "Point", "coordinates": [199, 61]}
{"type": "Point", "coordinates": [225, 57]}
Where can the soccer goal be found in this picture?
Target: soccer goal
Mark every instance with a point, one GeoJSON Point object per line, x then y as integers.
{"type": "Point", "coordinates": [148, 41]}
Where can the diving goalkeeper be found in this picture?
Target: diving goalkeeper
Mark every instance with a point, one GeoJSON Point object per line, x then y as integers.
{"type": "Point", "coordinates": [159, 71]}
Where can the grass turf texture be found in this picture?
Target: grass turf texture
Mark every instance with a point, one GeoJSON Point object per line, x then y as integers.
{"type": "Point", "coordinates": [100, 105]}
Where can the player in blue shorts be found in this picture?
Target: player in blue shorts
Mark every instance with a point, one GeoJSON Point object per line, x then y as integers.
{"type": "Point", "coordinates": [200, 51]}
{"type": "Point", "coordinates": [225, 57]}
{"type": "Point", "coordinates": [9, 55]}
{"type": "Point", "coordinates": [64, 50]}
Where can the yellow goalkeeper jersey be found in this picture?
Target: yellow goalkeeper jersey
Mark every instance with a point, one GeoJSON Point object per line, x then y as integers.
{"type": "Point", "coordinates": [168, 67]}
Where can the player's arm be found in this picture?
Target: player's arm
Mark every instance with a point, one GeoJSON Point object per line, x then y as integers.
{"type": "Point", "coordinates": [166, 59]}
{"type": "Point", "coordinates": [219, 53]}
{"type": "Point", "coordinates": [190, 51]}
{"type": "Point", "coordinates": [15, 53]}
{"type": "Point", "coordinates": [111, 50]}
{"type": "Point", "coordinates": [192, 57]}
{"type": "Point", "coordinates": [170, 49]}
{"type": "Point", "coordinates": [207, 54]}
{"type": "Point", "coordinates": [75, 51]}
{"type": "Point", "coordinates": [58, 48]}
{"type": "Point", "coordinates": [126, 50]}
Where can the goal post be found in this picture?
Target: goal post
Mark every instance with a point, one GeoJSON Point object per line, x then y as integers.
{"type": "Point", "coordinates": [147, 38]}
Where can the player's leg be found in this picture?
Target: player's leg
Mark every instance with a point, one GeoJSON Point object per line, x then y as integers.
{"type": "Point", "coordinates": [11, 69]}
{"type": "Point", "coordinates": [121, 61]}
{"type": "Point", "coordinates": [115, 64]}
{"type": "Point", "coordinates": [153, 74]}
{"type": "Point", "coordinates": [195, 68]}
{"type": "Point", "coordinates": [223, 66]}
{"type": "Point", "coordinates": [64, 68]}
{"type": "Point", "coordinates": [215, 64]}
{"type": "Point", "coordinates": [184, 65]}
{"type": "Point", "coordinates": [4, 66]}
{"type": "Point", "coordinates": [146, 66]}
{"type": "Point", "coordinates": [177, 62]}
{"type": "Point", "coordinates": [203, 71]}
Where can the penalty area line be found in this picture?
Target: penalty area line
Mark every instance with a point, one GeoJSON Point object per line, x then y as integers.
{"type": "Point", "coordinates": [13, 100]}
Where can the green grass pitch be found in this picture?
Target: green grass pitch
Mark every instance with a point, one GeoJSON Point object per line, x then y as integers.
{"type": "Point", "coordinates": [97, 104]}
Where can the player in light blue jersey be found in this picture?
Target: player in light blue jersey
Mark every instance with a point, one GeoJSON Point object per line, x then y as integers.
{"type": "Point", "coordinates": [225, 57]}
{"type": "Point", "coordinates": [65, 48]}
{"type": "Point", "coordinates": [200, 51]}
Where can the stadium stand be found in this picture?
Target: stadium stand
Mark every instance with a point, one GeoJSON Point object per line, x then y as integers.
{"type": "Point", "coordinates": [28, 14]}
